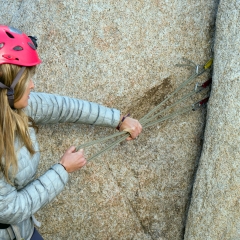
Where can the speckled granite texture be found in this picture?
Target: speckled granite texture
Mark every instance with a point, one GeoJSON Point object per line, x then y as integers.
{"type": "Point", "coordinates": [215, 208]}
{"type": "Point", "coordinates": [121, 54]}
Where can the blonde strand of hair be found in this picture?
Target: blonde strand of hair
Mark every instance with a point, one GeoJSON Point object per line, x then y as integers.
{"type": "Point", "coordinates": [13, 123]}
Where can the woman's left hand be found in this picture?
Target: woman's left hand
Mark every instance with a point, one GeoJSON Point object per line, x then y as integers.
{"type": "Point", "coordinates": [132, 126]}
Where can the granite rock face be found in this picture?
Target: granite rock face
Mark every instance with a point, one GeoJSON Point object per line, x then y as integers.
{"type": "Point", "coordinates": [121, 54]}
{"type": "Point", "coordinates": [215, 212]}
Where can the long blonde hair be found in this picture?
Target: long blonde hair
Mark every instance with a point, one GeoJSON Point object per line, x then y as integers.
{"type": "Point", "coordinates": [13, 122]}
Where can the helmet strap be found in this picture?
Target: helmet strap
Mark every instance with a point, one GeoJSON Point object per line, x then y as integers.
{"type": "Point", "coordinates": [10, 90]}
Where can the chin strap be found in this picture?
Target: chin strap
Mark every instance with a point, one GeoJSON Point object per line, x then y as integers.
{"type": "Point", "coordinates": [10, 90]}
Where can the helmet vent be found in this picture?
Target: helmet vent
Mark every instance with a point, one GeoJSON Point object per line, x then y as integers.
{"type": "Point", "coordinates": [10, 57]}
{"type": "Point", "coordinates": [14, 30]}
{"type": "Point", "coordinates": [32, 45]}
{"type": "Point", "coordinates": [1, 45]}
{"type": "Point", "coordinates": [18, 48]}
{"type": "Point", "coordinates": [10, 35]}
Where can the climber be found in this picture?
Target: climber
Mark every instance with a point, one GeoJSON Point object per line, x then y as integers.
{"type": "Point", "coordinates": [21, 195]}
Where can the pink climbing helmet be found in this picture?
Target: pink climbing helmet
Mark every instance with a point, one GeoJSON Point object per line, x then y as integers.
{"type": "Point", "coordinates": [17, 48]}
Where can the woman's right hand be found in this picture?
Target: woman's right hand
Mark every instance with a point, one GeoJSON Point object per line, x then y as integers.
{"type": "Point", "coordinates": [72, 160]}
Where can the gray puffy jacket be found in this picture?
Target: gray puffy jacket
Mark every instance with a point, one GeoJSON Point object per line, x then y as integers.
{"type": "Point", "coordinates": [19, 202]}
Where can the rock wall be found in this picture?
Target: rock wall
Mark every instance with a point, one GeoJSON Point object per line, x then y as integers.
{"type": "Point", "coordinates": [214, 212]}
{"type": "Point", "coordinates": [121, 54]}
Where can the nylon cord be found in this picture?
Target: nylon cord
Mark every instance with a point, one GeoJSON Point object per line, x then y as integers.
{"type": "Point", "coordinates": [142, 121]}
{"type": "Point", "coordinates": [147, 121]}
{"type": "Point", "coordinates": [109, 146]}
{"type": "Point", "coordinates": [164, 110]}
{"type": "Point", "coordinates": [121, 139]}
{"type": "Point", "coordinates": [101, 140]}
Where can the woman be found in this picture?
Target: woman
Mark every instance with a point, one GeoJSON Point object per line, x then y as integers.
{"type": "Point", "coordinates": [20, 194]}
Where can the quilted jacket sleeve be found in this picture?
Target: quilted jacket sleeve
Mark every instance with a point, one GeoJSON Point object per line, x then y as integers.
{"type": "Point", "coordinates": [16, 206]}
{"type": "Point", "coordinates": [50, 108]}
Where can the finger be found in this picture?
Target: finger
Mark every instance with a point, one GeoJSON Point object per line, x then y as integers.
{"type": "Point", "coordinates": [83, 163]}
{"type": "Point", "coordinates": [128, 131]}
{"type": "Point", "coordinates": [81, 153]}
{"type": "Point", "coordinates": [133, 134]}
{"type": "Point", "coordinates": [71, 149]}
{"type": "Point", "coordinates": [129, 138]}
{"type": "Point", "coordinates": [80, 150]}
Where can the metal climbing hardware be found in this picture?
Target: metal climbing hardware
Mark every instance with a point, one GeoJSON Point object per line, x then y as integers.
{"type": "Point", "coordinates": [199, 87]}
{"type": "Point", "coordinates": [208, 64]}
{"type": "Point", "coordinates": [199, 104]}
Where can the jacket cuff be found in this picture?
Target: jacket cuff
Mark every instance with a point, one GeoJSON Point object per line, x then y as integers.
{"type": "Point", "coordinates": [60, 170]}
